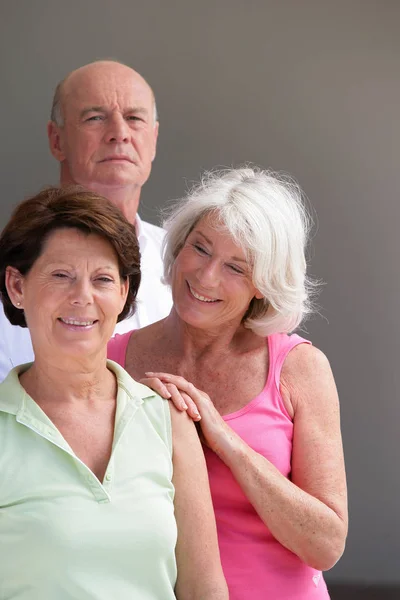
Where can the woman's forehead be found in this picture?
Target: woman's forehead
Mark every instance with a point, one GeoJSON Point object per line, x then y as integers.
{"type": "Point", "coordinates": [213, 228]}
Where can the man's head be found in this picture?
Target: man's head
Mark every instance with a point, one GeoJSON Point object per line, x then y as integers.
{"type": "Point", "coordinates": [103, 129]}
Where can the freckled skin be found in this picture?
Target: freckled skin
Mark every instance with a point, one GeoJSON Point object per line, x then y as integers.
{"type": "Point", "coordinates": [206, 344]}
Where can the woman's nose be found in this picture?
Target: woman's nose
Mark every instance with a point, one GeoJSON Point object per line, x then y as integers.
{"type": "Point", "coordinates": [208, 274]}
{"type": "Point", "coordinates": [81, 293]}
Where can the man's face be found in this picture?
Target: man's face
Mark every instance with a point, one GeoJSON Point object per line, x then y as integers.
{"type": "Point", "coordinates": [109, 135]}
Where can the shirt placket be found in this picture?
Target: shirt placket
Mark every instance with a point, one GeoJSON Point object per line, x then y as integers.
{"type": "Point", "coordinates": [101, 491]}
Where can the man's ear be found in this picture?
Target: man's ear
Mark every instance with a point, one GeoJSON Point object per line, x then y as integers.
{"type": "Point", "coordinates": [155, 134]}
{"type": "Point", "coordinates": [54, 133]}
{"type": "Point", "coordinates": [15, 286]}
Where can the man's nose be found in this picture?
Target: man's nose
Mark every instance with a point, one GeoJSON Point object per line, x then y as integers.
{"type": "Point", "coordinates": [118, 129]}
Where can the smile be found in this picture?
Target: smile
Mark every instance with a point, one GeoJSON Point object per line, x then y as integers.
{"type": "Point", "coordinates": [201, 298]}
{"type": "Point", "coordinates": [76, 322]}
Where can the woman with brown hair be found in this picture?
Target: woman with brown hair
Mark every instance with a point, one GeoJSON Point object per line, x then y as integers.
{"type": "Point", "coordinates": [102, 481]}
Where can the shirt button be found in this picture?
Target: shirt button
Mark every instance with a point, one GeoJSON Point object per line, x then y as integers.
{"type": "Point", "coordinates": [108, 477]}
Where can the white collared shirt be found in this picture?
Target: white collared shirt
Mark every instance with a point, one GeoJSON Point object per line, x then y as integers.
{"type": "Point", "coordinates": [153, 302]}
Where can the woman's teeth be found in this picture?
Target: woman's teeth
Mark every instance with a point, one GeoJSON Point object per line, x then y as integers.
{"type": "Point", "coordinates": [76, 322]}
{"type": "Point", "coordinates": [201, 298]}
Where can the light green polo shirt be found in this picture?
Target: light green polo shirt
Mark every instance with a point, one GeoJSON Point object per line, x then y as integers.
{"type": "Point", "coordinates": [64, 535]}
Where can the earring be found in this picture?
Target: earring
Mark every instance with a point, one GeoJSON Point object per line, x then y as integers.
{"type": "Point", "coordinates": [18, 303]}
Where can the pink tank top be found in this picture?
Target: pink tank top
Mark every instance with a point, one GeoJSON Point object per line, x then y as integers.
{"type": "Point", "coordinates": [256, 565]}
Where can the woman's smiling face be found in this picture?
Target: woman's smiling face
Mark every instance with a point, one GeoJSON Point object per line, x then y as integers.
{"type": "Point", "coordinates": [212, 280]}
{"type": "Point", "coordinates": [72, 295]}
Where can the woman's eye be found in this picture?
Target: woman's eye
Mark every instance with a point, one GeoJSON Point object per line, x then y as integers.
{"type": "Point", "coordinates": [60, 275]}
{"type": "Point", "coordinates": [200, 249]}
{"type": "Point", "coordinates": [105, 279]}
{"type": "Point", "coordinates": [236, 269]}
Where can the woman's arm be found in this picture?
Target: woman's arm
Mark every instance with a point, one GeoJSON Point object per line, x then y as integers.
{"type": "Point", "coordinates": [200, 574]}
{"type": "Point", "coordinates": [307, 514]}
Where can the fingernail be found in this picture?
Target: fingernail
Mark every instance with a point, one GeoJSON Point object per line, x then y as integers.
{"type": "Point", "coordinates": [184, 406]}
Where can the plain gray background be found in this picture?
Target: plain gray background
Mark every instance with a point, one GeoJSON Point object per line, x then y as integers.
{"type": "Point", "coordinates": [309, 87]}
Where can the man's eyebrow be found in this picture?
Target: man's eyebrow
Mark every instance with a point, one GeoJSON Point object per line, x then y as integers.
{"type": "Point", "coordinates": [90, 109]}
{"type": "Point", "coordinates": [137, 110]}
{"type": "Point", "coordinates": [102, 109]}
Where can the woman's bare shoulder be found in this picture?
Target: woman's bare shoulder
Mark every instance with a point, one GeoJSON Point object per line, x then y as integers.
{"type": "Point", "coordinates": [305, 360]}
{"type": "Point", "coordinates": [306, 375]}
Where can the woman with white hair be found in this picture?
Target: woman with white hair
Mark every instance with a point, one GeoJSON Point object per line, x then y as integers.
{"type": "Point", "coordinates": [269, 416]}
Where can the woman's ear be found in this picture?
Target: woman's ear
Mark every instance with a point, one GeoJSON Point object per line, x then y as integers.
{"type": "Point", "coordinates": [15, 286]}
{"type": "Point", "coordinates": [258, 295]}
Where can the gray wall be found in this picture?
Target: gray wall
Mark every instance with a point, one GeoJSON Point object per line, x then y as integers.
{"type": "Point", "coordinates": [310, 87]}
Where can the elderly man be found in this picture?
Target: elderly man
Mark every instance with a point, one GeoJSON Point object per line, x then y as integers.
{"type": "Point", "coordinates": [103, 131]}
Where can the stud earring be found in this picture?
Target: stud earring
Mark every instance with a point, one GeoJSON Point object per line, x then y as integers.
{"type": "Point", "coordinates": [18, 303]}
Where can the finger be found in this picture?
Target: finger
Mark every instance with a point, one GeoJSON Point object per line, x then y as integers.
{"type": "Point", "coordinates": [179, 382]}
{"type": "Point", "coordinates": [176, 397]}
{"type": "Point", "coordinates": [192, 410]}
{"type": "Point", "coordinates": [157, 385]}
{"type": "Point", "coordinates": [198, 398]}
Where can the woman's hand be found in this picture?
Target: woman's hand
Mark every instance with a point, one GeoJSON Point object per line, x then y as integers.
{"type": "Point", "coordinates": [170, 391]}
{"type": "Point", "coordinates": [215, 432]}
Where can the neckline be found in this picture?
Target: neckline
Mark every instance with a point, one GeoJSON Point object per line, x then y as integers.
{"type": "Point", "coordinates": [256, 400]}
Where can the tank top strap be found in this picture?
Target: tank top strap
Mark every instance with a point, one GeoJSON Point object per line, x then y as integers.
{"type": "Point", "coordinates": [116, 347]}
{"type": "Point", "coordinates": [279, 346]}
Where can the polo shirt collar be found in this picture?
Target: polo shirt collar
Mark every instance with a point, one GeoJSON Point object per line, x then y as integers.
{"type": "Point", "coordinates": [13, 395]}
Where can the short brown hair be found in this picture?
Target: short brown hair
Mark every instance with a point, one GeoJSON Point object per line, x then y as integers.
{"type": "Point", "coordinates": [23, 238]}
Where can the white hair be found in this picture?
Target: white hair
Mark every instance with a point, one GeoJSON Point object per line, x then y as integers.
{"type": "Point", "coordinates": [265, 213]}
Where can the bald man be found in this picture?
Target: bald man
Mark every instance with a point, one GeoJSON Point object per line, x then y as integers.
{"type": "Point", "coordinates": [103, 131]}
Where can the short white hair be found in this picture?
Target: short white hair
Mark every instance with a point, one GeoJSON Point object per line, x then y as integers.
{"type": "Point", "coordinates": [266, 215]}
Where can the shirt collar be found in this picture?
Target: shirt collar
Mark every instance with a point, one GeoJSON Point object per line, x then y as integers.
{"type": "Point", "coordinates": [12, 394]}
{"type": "Point", "coordinates": [140, 233]}
{"type": "Point", "coordinates": [11, 391]}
